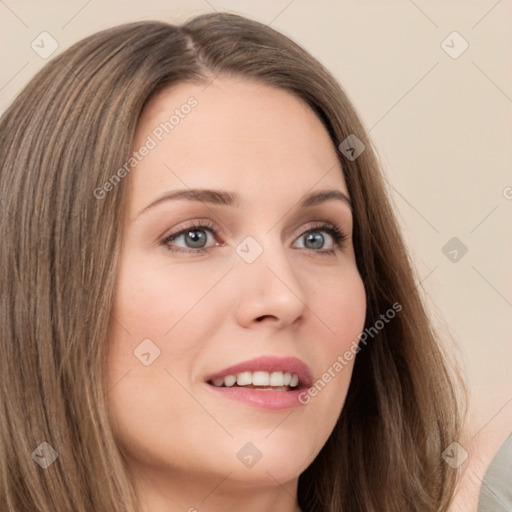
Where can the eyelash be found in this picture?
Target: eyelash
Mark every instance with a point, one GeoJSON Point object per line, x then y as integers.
{"type": "Point", "coordinates": [339, 237]}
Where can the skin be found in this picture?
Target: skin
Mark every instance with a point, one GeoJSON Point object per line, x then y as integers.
{"type": "Point", "coordinates": [209, 310]}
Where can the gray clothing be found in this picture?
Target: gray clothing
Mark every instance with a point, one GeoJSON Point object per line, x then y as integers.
{"type": "Point", "coordinates": [496, 489]}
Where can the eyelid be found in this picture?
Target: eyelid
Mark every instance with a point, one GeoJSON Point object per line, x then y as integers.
{"type": "Point", "coordinates": [321, 225]}
{"type": "Point", "coordinates": [314, 224]}
{"type": "Point", "coordinates": [191, 225]}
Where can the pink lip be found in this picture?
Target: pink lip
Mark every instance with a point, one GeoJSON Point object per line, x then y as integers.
{"type": "Point", "coordinates": [269, 364]}
{"type": "Point", "coordinates": [265, 399]}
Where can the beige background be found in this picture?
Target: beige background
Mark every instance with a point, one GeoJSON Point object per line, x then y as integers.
{"type": "Point", "coordinates": [441, 125]}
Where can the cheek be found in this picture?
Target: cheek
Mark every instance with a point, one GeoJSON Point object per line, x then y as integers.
{"type": "Point", "coordinates": [173, 310]}
{"type": "Point", "coordinates": [156, 300]}
{"type": "Point", "coordinates": [177, 311]}
{"type": "Point", "coordinates": [340, 305]}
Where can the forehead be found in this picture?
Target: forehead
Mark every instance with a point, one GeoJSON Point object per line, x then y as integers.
{"type": "Point", "coordinates": [240, 135]}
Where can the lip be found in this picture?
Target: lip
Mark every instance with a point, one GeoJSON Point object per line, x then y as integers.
{"type": "Point", "coordinates": [265, 399]}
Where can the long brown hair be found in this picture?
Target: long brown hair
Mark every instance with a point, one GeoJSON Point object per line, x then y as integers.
{"type": "Point", "coordinates": [63, 136]}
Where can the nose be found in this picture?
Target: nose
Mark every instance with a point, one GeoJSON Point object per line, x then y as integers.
{"type": "Point", "coordinates": [269, 291]}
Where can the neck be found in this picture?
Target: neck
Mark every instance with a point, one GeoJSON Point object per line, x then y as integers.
{"type": "Point", "coordinates": [214, 493]}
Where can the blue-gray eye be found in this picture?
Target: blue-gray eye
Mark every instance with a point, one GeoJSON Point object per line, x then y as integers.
{"type": "Point", "coordinates": [314, 240]}
{"type": "Point", "coordinates": [193, 238]}
{"type": "Point", "coordinates": [196, 238]}
{"type": "Point", "coordinates": [317, 239]}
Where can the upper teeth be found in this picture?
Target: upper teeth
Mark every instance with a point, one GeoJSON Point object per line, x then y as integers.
{"type": "Point", "coordinates": [277, 379]}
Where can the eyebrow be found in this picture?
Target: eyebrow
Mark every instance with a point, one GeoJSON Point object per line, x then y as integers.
{"type": "Point", "coordinates": [224, 198]}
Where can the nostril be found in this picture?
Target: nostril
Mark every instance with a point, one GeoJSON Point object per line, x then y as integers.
{"type": "Point", "coordinates": [261, 318]}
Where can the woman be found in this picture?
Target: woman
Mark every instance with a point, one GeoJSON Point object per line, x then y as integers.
{"type": "Point", "coordinates": [206, 301]}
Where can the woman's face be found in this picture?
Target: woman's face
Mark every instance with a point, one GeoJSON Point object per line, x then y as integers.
{"type": "Point", "coordinates": [248, 272]}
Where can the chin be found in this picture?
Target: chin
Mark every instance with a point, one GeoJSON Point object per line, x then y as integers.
{"type": "Point", "coordinates": [276, 459]}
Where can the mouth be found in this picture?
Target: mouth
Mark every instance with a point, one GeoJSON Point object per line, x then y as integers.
{"type": "Point", "coordinates": [262, 380]}
{"type": "Point", "coordinates": [266, 382]}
